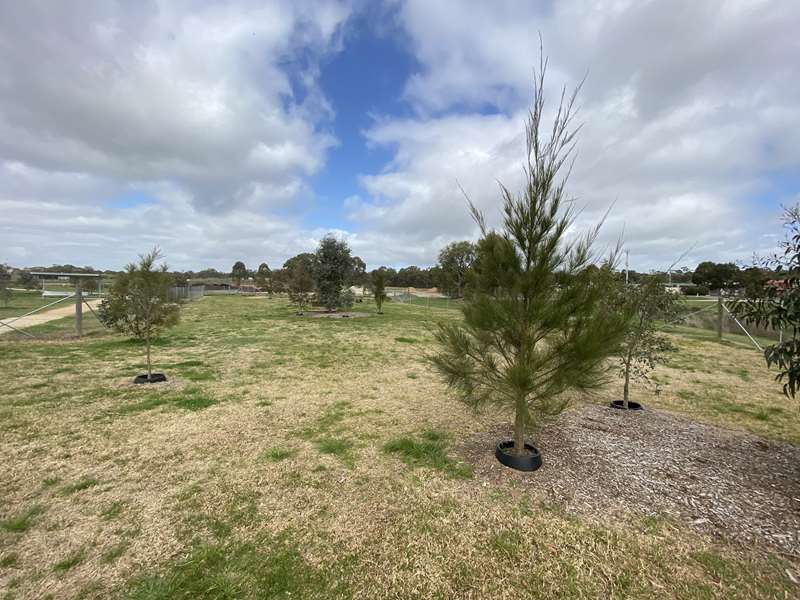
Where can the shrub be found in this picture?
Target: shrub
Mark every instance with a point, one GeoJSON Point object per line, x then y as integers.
{"type": "Point", "coordinates": [332, 268]}
{"type": "Point", "coordinates": [138, 303]}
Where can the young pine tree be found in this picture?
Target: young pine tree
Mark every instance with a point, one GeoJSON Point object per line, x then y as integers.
{"type": "Point", "coordinates": [138, 303]}
{"type": "Point", "coordinates": [535, 324]}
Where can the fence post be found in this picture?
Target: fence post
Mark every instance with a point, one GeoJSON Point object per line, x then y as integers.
{"type": "Point", "coordinates": [719, 317]}
{"type": "Point", "coordinates": [79, 311]}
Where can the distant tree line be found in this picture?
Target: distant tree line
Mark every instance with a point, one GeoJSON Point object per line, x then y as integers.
{"type": "Point", "coordinates": [449, 274]}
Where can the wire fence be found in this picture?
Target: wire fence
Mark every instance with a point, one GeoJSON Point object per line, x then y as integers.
{"type": "Point", "coordinates": [715, 316]}
{"type": "Point", "coordinates": [424, 300]}
{"type": "Point", "coordinates": [187, 292]}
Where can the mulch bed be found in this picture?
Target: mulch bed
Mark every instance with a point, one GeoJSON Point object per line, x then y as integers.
{"type": "Point", "coordinates": [601, 461]}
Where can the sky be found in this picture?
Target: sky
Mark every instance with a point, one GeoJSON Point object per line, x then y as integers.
{"type": "Point", "coordinates": [248, 130]}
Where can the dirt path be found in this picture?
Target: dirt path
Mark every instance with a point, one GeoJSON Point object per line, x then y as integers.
{"type": "Point", "coordinates": [43, 317]}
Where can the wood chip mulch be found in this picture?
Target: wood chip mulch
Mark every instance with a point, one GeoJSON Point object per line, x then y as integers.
{"type": "Point", "coordinates": [602, 462]}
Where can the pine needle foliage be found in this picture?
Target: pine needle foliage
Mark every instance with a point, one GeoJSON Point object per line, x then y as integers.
{"type": "Point", "coordinates": [536, 320]}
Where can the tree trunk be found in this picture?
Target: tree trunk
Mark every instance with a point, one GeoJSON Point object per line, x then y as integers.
{"type": "Point", "coordinates": [625, 388]}
{"type": "Point", "coordinates": [519, 434]}
{"type": "Point", "coordinates": [149, 367]}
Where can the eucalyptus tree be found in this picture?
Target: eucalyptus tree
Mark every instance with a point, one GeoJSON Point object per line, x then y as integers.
{"type": "Point", "coordinates": [535, 321]}
{"type": "Point", "coordinates": [139, 303]}
{"type": "Point", "coordinates": [264, 277]}
{"type": "Point", "coordinates": [454, 262]}
{"type": "Point", "coordinates": [239, 272]}
{"type": "Point", "coordinates": [776, 305]}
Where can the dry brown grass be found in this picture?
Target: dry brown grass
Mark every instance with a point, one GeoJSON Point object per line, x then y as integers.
{"type": "Point", "coordinates": [168, 467]}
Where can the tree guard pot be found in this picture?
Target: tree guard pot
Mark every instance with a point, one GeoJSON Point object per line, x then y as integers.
{"type": "Point", "coordinates": [156, 378]}
{"type": "Point", "coordinates": [631, 405]}
{"type": "Point", "coordinates": [526, 462]}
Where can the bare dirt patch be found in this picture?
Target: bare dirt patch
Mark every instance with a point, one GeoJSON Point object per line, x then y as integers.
{"type": "Point", "coordinates": [600, 461]}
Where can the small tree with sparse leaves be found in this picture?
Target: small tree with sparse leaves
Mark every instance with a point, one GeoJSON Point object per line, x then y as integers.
{"type": "Point", "coordinates": [378, 280]}
{"type": "Point", "coordinates": [5, 281]}
{"type": "Point", "coordinates": [300, 285]}
{"type": "Point", "coordinates": [139, 304]}
{"type": "Point", "coordinates": [27, 280]}
{"type": "Point", "coordinates": [535, 320]}
{"type": "Point", "coordinates": [643, 347]}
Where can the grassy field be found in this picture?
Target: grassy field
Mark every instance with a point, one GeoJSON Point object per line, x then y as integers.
{"type": "Point", "coordinates": [23, 302]}
{"type": "Point", "coordinates": [319, 458]}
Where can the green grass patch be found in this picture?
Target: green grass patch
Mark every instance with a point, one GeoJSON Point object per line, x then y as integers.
{"type": "Point", "coordinates": [194, 399]}
{"type": "Point", "coordinates": [191, 398]}
{"type": "Point", "coordinates": [71, 561]}
{"type": "Point", "coordinates": [9, 561]}
{"type": "Point", "coordinates": [144, 405]}
{"type": "Point", "coordinates": [112, 554]}
{"type": "Point", "coordinates": [112, 511]}
{"type": "Point", "coordinates": [277, 454]}
{"type": "Point", "coordinates": [405, 340]}
{"type": "Point", "coordinates": [23, 521]}
{"type": "Point", "coordinates": [333, 416]}
{"type": "Point", "coordinates": [341, 448]}
{"type": "Point", "coordinates": [82, 484]}
{"type": "Point", "coordinates": [265, 568]}
{"type": "Point", "coordinates": [429, 450]}
{"type": "Point", "coordinates": [507, 542]}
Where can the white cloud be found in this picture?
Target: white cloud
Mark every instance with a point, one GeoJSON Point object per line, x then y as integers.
{"type": "Point", "coordinates": [212, 108]}
{"type": "Point", "coordinates": [689, 110]}
{"type": "Point", "coordinates": [215, 111]}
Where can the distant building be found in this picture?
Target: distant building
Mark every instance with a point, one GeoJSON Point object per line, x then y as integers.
{"type": "Point", "coordinates": [677, 288]}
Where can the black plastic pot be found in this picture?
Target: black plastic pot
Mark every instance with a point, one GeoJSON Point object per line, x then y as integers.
{"type": "Point", "coordinates": [156, 378]}
{"type": "Point", "coordinates": [631, 405]}
{"type": "Point", "coordinates": [529, 462]}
